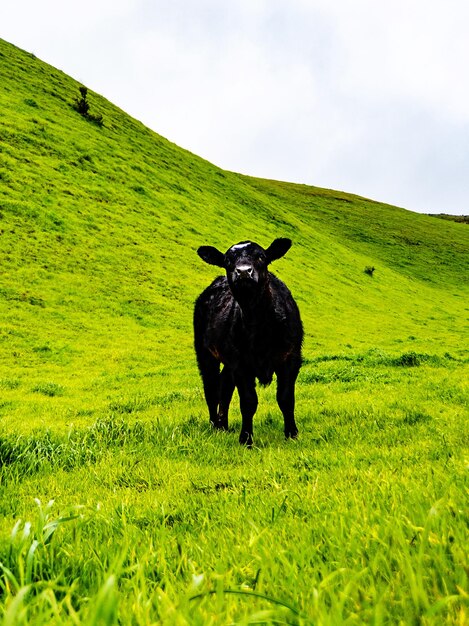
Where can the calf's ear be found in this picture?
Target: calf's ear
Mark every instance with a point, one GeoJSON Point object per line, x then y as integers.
{"type": "Point", "coordinates": [211, 255]}
{"type": "Point", "coordinates": [277, 249]}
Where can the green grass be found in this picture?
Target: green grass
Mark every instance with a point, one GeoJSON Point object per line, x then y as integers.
{"type": "Point", "coordinates": [118, 503]}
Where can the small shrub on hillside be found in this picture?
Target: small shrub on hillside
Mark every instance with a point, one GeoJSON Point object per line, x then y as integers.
{"type": "Point", "coordinates": [83, 107]}
{"type": "Point", "coordinates": [370, 270]}
{"type": "Point", "coordinates": [81, 104]}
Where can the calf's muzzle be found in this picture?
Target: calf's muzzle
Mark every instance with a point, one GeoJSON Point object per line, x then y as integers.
{"type": "Point", "coordinates": [244, 271]}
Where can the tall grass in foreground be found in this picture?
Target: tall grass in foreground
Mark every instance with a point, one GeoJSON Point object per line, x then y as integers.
{"type": "Point", "coordinates": [88, 567]}
{"type": "Point", "coordinates": [364, 519]}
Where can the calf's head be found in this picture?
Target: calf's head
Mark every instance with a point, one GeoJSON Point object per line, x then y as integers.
{"type": "Point", "coordinates": [246, 264]}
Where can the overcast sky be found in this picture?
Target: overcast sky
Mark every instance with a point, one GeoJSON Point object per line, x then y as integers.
{"type": "Point", "coordinates": [365, 96]}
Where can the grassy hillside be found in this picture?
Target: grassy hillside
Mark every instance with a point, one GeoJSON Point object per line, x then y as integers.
{"type": "Point", "coordinates": [101, 409]}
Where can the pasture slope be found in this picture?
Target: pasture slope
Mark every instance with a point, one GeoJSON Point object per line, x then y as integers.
{"type": "Point", "coordinates": [118, 504]}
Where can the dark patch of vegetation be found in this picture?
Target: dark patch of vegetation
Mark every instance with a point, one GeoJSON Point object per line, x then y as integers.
{"type": "Point", "coordinates": [413, 417]}
{"type": "Point", "coordinates": [13, 295]}
{"type": "Point", "coordinates": [409, 359]}
{"type": "Point", "coordinates": [462, 219]}
{"type": "Point", "coordinates": [49, 389]}
{"type": "Point", "coordinates": [375, 358]}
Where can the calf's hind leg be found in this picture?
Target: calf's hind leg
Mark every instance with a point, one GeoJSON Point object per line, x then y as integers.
{"type": "Point", "coordinates": [210, 372]}
{"type": "Point", "coordinates": [286, 378]}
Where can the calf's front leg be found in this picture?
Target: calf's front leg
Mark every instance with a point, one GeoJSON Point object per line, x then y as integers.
{"type": "Point", "coordinates": [227, 386]}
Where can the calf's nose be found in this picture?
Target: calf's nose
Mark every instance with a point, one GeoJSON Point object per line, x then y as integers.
{"type": "Point", "coordinates": [244, 271]}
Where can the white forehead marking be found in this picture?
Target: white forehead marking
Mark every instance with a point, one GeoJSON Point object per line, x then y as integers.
{"type": "Point", "coordinates": [238, 246]}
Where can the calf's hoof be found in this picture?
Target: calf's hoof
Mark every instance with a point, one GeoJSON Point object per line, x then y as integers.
{"type": "Point", "coordinates": [220, 424]}
{"type": "Point", "coordinates": [245, 439]}
{"type": "Point", "coordinates": [291, 433]}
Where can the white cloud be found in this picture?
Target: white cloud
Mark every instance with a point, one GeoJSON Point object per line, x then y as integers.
{"type": "Point", "coordinates": [416, 50]}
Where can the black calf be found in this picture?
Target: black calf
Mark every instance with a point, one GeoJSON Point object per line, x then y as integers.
{"type": "Point", "coordinates": [249, 322]}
